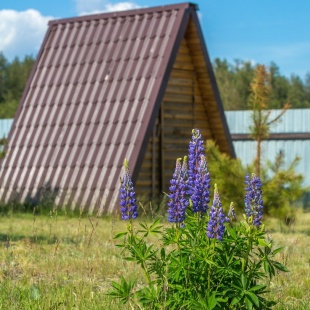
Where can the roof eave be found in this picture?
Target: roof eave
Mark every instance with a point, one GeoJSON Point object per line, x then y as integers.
{"type": "Point", "coordinates": [213, 83]}
{"type": "Point", "coordinates": [181, 6]}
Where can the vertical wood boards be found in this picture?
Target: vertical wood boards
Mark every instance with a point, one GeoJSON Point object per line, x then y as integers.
{"type": "Point", "coordinates": [183, 108]}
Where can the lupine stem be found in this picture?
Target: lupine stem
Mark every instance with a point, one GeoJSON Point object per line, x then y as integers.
{"type": "Point", "coordinates": [209, 271]}
{"type": "Point", "coordinates": [135, 245]}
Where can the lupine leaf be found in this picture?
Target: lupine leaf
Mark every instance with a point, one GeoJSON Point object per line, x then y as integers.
{"type": "Point", "coordinates": [262, 242]}
{"type": "Point", "coordinates": [119, 235]}
{"type": "Point", "coordinates": [277, 250]}
{"type": "Point", "coordinates": [257, 288]}
{"type": "Point", "coordinates": [235, 301]}
{"type": "Point", "coordinates": [232, 232]}
{"type": "Point", "coordinates": [253, 298]}
{"type": "Point", "coordinates": [280, 266]}
{"type": "Point", "coordinates": [248, 303]}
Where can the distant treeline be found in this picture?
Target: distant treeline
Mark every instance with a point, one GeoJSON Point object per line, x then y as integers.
{"type": "Point", "coordinates": [13, 78]}
{"type": "Point", "coordinates": [233, 81]}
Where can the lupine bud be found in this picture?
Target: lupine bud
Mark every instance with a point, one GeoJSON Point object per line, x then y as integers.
{"type": "Point", "coordinates": [128, 203]}
{"type": "Point", "coordinates": [231, 213]}
{"type": "Point", "coordinates": [253, 199]}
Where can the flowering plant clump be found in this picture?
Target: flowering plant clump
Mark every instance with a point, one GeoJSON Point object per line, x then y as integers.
{"type": "Point", "coordinates": [202, 259]}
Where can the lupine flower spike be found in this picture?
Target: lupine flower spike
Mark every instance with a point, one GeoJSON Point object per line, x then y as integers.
{"type": "Point", "coordinates": [216, 228]}
{"type": "Point", "coordinates": [200, 192]}
{"type": "Point", "coordinates": [253, 199]}
{"type": "Point", "coordinates": [178, 187]}
{"type": "Point", "coordinates": [198, 175]}
{"type": "Point", "coordinates": [128, 203]}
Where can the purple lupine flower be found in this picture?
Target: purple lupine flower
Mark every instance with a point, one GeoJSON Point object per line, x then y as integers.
{"type": "Point", "coordinates": [128, 203]}
{"type": "Point", "coordinates": [178, 188]}
{"type": "Point", "coordinates": [216, 228]}
{"type": "Point", "coordinates": [253, 199]}
{"type": "Point", "coordinates": [200, 191]}
{"type": "Point", "coordinates": [198, 175]}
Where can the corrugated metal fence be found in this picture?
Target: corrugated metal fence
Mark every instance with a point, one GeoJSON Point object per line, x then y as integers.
{"type": "Point", "coordinates": [5, 126]}
{"type": "Point", "coordinates": [291, 135]}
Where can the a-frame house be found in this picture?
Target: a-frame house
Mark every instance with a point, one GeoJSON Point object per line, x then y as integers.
{"type": "Point", "coordinates": [106, 87]}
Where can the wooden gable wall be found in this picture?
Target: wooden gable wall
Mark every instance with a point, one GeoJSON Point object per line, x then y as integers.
{"type": "Point", "coordinates": [209, 93]}
{"type": "Point", "coordinates": [182, 109]}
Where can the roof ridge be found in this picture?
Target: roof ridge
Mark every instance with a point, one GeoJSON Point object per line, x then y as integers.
{"type": "Point", "coordinates": [105, 15]}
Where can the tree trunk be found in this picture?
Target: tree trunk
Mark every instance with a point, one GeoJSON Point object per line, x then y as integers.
{"type": "Point", "coordinates": [258, 155]}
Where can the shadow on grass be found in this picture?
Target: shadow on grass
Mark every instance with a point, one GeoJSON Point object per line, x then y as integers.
{"type": "Point", "coordinates": [6, 239]}
{"type": "Point", "coordinates": [18, 237]}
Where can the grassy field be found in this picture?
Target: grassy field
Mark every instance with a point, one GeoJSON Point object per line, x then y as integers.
{"type": "Point", "coordinates": [65, 262]}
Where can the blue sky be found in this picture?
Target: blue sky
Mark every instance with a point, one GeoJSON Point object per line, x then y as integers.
{"type": "Point", "coordinates": [257, 31]}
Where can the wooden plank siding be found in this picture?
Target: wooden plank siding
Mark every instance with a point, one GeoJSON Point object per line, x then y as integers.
{"type": "Point", "coordinates": [148, 183]}
{"type": "Point", "coordinates": [182, 110]}
{"type": "Point", "coordinates": [206, 87]}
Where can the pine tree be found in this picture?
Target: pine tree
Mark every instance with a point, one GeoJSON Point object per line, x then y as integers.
{"type": "Point", "coordinates": [259, 99]}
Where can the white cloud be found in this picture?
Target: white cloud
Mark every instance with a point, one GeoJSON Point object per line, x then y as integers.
{"type": "Point", "coordinates": [121, 6]}
{"type": "Point", "coordinates": [21, 33]}
{"type": "Point", "coordinates": [85, 7]}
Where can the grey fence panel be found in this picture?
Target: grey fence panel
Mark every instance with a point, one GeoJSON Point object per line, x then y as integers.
{"type": "Point", "coordinates": [5, 126]}
{"type": "Point", "coordinates": [293, 121]}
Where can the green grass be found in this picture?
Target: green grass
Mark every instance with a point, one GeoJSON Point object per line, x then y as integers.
{"type": "Point", "coordinates": [292, 289]}
{"type": "Point", "coordinates": [62, 262]}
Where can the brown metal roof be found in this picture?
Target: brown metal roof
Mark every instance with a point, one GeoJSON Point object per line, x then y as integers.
{"type": "Point", "coordinates": [90, 102]}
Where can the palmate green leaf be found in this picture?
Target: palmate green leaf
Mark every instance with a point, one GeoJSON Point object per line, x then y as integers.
{"type": "Point", "coordinates": [141, 252]}
{"type": "Point", "coordinates": [122, 291]}
{"type": "Point", "coordinates": [143, 225]}
{"type": "Point", "coordinates": [154, 229]}
{"type": "Point", "coordinates": [209, 302]}
{"type": "Point", "coordinates": [149, 297]}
